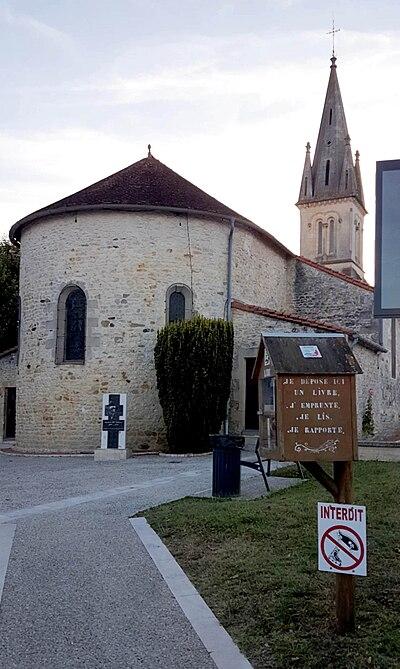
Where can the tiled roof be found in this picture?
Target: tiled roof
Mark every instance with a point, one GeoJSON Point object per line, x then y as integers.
{"type": "Point", "coordinates": [308, 322]}
{"type": "Point", "coordinates": [145, 184]}
{"type": "Point", "coordinates": [337, 275]}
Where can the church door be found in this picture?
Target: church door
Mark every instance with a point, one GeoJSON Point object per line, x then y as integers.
{"type": "Point", "coordinates": [9, 413]}
{"type": "Point", "coordinates": [251, 407]}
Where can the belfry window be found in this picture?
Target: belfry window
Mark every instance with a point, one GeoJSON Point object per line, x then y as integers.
{"type": "Point", "coordinates": [179, 303]}
{"type": "Point", "coordinates": [332, 237]}
{"type": "Point", "coordinates": [346, 180]}
{"type": "Point", "coordinates": [330, 117]}
{"type": "Point", "coordinates": [327, 170]}
{"type": "Point", "coordinates": [357, 240]}
{"type": "Point", "coordinates": [320, 238]}
{"type": "Point", "coordinates": [305, 186]}
{"type": "Point", "coordinates": [71, 326]}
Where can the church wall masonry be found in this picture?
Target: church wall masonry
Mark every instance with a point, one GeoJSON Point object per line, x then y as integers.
{"type": "Point", "coordinates": [124, 262]}
{"type": "Point", "coordinates": [347, 216]}
{"type": "Point", "coordinates": [376, 373]}
{"type": "Point", "coordinates": [322, 296]}
{"type": "Point", "coordinates": [261, 274]}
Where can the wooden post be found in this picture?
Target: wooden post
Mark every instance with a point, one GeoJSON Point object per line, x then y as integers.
{"type": "Point", "coordinates": [345, 584]}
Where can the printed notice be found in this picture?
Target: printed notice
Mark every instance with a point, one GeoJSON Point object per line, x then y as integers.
{"type": "Point", "coordinates": [310, 352]}
{"type": "Point", "coordinates": [316, 417]}
{"type": "Point", "coordinates": [342, 539]}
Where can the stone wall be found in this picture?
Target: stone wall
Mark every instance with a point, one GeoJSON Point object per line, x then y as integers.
{"type": "Point", "coordinates": [347, 215]}
{"type": "Point", "coordinates": [383, 380]}
{"type": "Point", "coordinates": [248, 328]}
{"type": "Point", "coordinates": [377, 373]}
{"type": "Point", "coordinates": [262, 275]}
{"type": "Point", "coordinates": [8, 379]}
{"type": "Point", "coordinates": [324, 297]}
{"type": "Point", "coordinates": [125, 263]}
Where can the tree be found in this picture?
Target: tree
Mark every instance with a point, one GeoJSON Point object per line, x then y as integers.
{"type": "Point", "coordinates": [193, 362]}
{"type": "Point", "coordinates": [9, 289]}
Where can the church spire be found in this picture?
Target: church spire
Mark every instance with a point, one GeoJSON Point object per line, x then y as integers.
{"type": "Point", "coordinates": [306, 187]}
{"type": "Point", "coordinates": [359, 186]}
{"type": "Point", "coordinates": [331, 200]}
{"type": "Point", "coordinates": [333, 172]}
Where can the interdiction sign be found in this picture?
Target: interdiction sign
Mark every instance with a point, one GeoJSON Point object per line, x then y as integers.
{"type": "Point", "coordinates": [342, 539]}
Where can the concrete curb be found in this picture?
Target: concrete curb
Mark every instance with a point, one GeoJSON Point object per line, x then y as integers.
{"type": "Point", "coordinates": [6, 540]}
{"type": "Point", "coordinates": [223, 651]}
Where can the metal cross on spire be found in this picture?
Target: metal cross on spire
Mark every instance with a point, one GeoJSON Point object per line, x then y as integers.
{"type": "Point", "coordinates": [332, 32]}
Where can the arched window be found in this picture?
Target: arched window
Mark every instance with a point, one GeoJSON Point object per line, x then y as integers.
{"type": "Point", "coordinates": [305, 185]}
{"type": "Point", "coordinates": [179, 303]}
{"type": "Point", "coordinates": [332, 237]}
{"type": "Point", "coordinates": [358, 251]}
{"type": "Point", "coordinates": [176, 306]}
{"type": "Point", "coordinates": [346, 181]}
{"type": "Point", "coordinates": [320, 238]}
{"type": "Point", "coordinates": [327, 170]}
{"type": "Point", "coordinates": [71, 325]}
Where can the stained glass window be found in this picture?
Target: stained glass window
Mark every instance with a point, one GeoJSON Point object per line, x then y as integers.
{"type": "Point", "coordinates": [75, 325]}
{"type": "Point", "coordinates": [177, 305]}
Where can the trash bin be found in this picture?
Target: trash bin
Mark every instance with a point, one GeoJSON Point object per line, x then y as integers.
{"type": "Point", "coordinates": [226, 465]}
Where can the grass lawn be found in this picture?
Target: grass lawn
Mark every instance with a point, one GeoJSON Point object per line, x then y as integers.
{"type": "Point", "coordinates": [255, 563]}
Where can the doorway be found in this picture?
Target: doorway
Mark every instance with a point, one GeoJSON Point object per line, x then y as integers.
{"type": "Point", "coordinates": [251, 403]}
{"type": "Point", "coordinates": [9, 413]}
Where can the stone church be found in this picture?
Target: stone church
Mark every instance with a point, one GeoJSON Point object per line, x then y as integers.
{"type": "Point", "coordinates": [103, 269]}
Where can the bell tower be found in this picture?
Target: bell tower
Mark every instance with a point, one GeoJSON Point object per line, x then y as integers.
{"type": "Point", "coordinates": [331, 199]}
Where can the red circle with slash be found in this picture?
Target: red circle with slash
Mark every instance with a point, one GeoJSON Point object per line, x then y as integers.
{"type": "Point", "coordinates": [354, 536]}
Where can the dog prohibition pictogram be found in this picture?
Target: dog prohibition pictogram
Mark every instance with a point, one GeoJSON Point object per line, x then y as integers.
{"type": "Point", "coordinates": [342, 539]}
{"type": "Point", "coordinates": [342, 548]}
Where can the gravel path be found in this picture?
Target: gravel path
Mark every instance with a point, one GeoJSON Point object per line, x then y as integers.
{"type": "Point", "coordinates": [80, 590]}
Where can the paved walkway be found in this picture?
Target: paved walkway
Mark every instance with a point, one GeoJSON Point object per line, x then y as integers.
{"type": "Point", "coordinates": [80, 589]}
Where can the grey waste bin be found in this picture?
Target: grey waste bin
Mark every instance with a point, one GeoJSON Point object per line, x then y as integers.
{"type": "Point", "coordinates": [226, 465]}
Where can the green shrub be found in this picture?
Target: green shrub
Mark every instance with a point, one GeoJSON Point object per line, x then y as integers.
{"type": "Point", "coordinates": [9, 286]}
{"type": "Point", "coordinates": [193, 362]}
{"type": "Point", "coordinates": [368, 425]}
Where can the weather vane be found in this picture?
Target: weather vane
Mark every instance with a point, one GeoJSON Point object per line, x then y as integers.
{"type": "Point", "coordinates": [332, 32]}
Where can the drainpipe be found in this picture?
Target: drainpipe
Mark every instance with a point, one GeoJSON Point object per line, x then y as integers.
{"type": "Point", "coordinates": [229, 273]}
{"type": "Point", "coordinates": [229, 297]}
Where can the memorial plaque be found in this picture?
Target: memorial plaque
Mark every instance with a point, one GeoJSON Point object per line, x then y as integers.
{"type": "Point", "coordinates": [316, 417]}
{"type": "Point", "coordinates": [113, 424]}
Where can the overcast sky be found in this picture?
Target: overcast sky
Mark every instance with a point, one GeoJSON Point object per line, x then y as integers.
{"type": "Point", "coordinates": [227, 92]}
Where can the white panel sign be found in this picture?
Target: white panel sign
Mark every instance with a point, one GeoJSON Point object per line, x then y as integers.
{"type": "Point", "coordinates": [113, 421]}
{"type": "Point", "coordinates": [310, 352]}
{"type": "Point", "coordinates": [342, 539]}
